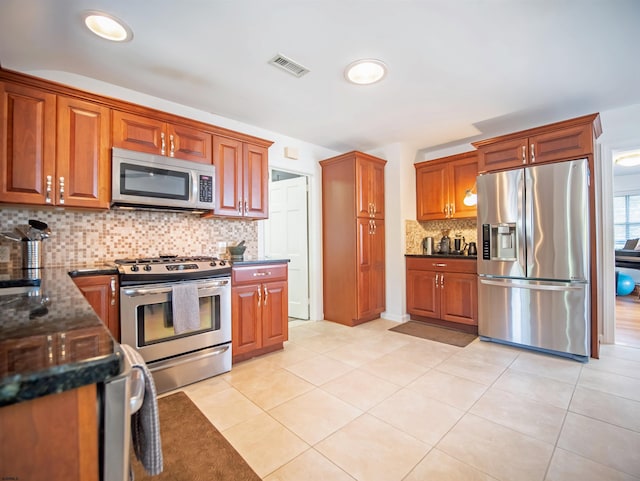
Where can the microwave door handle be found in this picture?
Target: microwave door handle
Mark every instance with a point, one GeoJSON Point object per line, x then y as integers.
{"type": "Point", "coordinates": [194, 188]}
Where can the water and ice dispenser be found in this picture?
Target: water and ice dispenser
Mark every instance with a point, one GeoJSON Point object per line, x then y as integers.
{"type": "Point", "coordinates": [499, 242]}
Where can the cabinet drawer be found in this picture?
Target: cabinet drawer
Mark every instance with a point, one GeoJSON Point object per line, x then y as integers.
{"type": "Point", "coordinates": [256, 274]}
{"type": "Point", "coordinates": [445, 264]}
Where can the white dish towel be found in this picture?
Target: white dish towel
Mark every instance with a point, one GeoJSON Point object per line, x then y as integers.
{"type": "Point", "coordinates": [145, 423]}
{"type": "Point", "coordinates": [186, 307]}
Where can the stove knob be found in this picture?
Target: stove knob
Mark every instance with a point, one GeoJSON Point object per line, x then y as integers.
{"type": "Point", "coordinates": [147, 267]}
{"type": "Point", "coordinates": [212, 264]}
{"type": "Point", "coordinates": [134, 268]}
{"type": "Point", "coordinates": [223, 263]}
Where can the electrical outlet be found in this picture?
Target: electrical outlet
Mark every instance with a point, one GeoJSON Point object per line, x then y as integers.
{"type": "Point", "coordinates": [4, 254]}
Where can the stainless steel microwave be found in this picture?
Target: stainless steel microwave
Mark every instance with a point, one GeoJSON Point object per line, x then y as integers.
{"type": "Point", "coordinates": [146, 181]}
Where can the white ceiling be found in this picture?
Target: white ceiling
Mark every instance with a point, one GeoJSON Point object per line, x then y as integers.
{"type": "Point", "coordinates": [459, 70]}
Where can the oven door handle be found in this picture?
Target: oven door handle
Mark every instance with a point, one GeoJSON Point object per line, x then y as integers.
{"type": "Point", "coordinates": [142, 291]}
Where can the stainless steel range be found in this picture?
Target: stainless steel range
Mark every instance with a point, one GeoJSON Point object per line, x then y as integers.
{"type": "Point", "coordinates": [176, 311]}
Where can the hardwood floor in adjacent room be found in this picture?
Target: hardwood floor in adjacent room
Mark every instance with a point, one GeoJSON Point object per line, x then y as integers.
{"type": "Point", "coordinates": [628, 320]}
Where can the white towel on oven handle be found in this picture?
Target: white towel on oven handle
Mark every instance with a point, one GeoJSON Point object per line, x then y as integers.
{"type": "Point", "coordinates": [186, 307]}
{"type": "Point", "coordinates": [145, 423]}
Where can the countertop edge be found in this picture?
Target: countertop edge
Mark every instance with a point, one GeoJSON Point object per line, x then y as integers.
{"type": "Point", "coordinates": [259, 262]}
{"type": "Point", "coordinates": [442, 256]}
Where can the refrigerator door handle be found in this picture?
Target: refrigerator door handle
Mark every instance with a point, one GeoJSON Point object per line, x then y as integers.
{"type": "Point", "coordinates": [535, 287]}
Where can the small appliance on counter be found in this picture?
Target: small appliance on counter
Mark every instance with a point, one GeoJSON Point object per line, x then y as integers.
{"type": "Point", "coordinates": [445, 242]}
{"type": "Point", "coordinates": [472, 249]}
{"type": "Point", "coordinates": [30, 236]}
{"type": "Point", "coordinates": [427, 246]}
{"type": "Point", "coordinates": [459, 245]}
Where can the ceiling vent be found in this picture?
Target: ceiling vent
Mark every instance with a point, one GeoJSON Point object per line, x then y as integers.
{"type": "Point", "coordinates": [288, 65]}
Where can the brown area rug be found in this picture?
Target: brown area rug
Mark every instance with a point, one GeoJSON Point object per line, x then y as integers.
{"type": "Point", "coordinates": [192, 448]}
{"type": "Point", "coordinates": [434, 333]}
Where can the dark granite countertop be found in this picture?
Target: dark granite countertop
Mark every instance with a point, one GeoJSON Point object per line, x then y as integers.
{"type": "Point", "coordinates": [443, 256]}
{"type": "Point", "coordinates": [50, 338]}
{"type": "Point", "coordinates": [250, 262]}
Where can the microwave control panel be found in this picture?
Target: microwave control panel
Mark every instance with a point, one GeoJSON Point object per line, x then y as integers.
{"type": "Point", "coordinates": [206, 188]}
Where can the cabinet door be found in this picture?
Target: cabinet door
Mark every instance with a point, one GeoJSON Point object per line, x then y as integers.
{"type": "Point", "coordinates": [27, 143]}
{"type": "Point", "coordinates": [565, 144]}
{"type": "Point", "coordinates": [102, 293]}
{"type": "Point", "coordinates": [142, 134]}
{"type": "Point", "coordinates": [274, 313]}
{"type": "Point", "coordinates": [82, 344]}
{"type": "Point", "coordinates": [227, 158]}
{"type": "Point", "coordinates": [462, 177]}
{"type": "Point", "coordinates": [256, 182]}
{"type": "Point", "coordinates": [423, 293]}
{"type": "Point", "coordinates": [189, 144]}
{"type": "Point", "coordinates": [246, 309]}
{"type": "Point", "coordinates": [370, 188]}
{"type": "Point", "coordinates": [371, 288]}
{"type": "Point", "coordinates": [459, 294]}
{"type": "Point", "coordinates": [28, 354]}
{"type": "Point", "coordinates": [83, 175]}
{"type": "Point", "coordinates": [502, 155]}
{"type": "Point", "coordinates": [431, 192]}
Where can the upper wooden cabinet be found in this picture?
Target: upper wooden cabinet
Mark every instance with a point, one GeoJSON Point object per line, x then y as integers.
{"type": "Point", "coordinates": [54, 149]}
{"type": "Point", "coordinates": [146, 134]}
{"type": "Point", "coordinates": [566, 140]}
{"type": "Point", "coordinates": [242, 178]}
{"type": "Point", "coordinates": [370, 187]}
{"type": "Point", "coordinates": [441, 186]}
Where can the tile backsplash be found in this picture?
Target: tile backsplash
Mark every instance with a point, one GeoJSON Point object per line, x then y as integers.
{"type": "Point", "coordinates": [416, 231]}
{"type": "Point", "coordinates": [86, 238]}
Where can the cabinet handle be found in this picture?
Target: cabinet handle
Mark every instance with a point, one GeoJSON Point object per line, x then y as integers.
{"type": "Point", "coordinates": [246, 207]}
{"type": "Point", "coordinates": [375, 227]}
{"type": "Point", "coordinates": [239, 207]}
{"type": "Point", "coordinates": [163, 144]}
{"type": "Point", "coordinates": [260, 274]}
{"type": "Point", "coordinates": [524, 154]}
{"type": "Point", "coordinates": [442, 281]}
{"type": "Point", "coordinates": [112, 284]}
{"type": "Point", "coordinates": [61, 198]}
{"type": "Point", "coordinates": [50, 349]}
{"type": "Point", "coordinates": [533, 153]}
{"type": "Point", "coordinates": [63, 346]}
{"type": "Point", "coordinates": [172, 147]}
{"type": "Point", "coordinates": [437, 276]}
{"type": "Point", "coordinates": [259, 296]}
{"type": "Point", "coordinates": [440, 265]}
{"type": "Point", "coordinates": [452, 209]}
{"type": "Point", "coordinates": [47, 195]}
{"type": "Point", "coordinates": [266, 295]}
{"type": "Point", "coordinates": [445, 210]}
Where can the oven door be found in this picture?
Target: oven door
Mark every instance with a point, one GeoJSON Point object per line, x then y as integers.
{"type": "Point", "coordinates": [146, 319]}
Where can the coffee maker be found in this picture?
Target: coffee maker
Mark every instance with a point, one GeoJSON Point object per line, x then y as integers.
{"type": "Point", "coordinates": [445, 242]}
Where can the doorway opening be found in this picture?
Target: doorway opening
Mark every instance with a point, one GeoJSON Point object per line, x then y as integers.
{"type": "Point", "coordinates": [287, 235]}
{"type": "Point", "coordinates": [626, 221]}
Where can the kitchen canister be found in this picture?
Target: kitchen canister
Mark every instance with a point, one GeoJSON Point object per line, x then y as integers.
{"type": "Point", "coordinates": [32, 254]}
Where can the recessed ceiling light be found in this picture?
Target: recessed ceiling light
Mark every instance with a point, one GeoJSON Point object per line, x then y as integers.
{"type": "Point", "coordinates": [366, 71]}
{"type": "Point", "coordinates": [107, 26]}
{"type": "Point", "coordinates": [628, 159]}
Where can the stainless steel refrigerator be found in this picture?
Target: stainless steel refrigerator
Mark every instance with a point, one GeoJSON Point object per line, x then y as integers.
{"type": "Point", "coordinates": [533, 264]}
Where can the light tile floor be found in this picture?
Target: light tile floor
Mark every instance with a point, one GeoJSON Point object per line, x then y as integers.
{"type": "Point", "coordinates": [367, 404]}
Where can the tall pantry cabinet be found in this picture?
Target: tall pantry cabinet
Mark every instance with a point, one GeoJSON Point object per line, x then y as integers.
{"type": "Point", "coordinates": [353, 238]}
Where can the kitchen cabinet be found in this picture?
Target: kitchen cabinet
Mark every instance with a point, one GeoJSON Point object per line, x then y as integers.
{"type": "Point", "coordinates": [51, 437]}
{"type": "Point", "coordinates": [353, 235]}
{"type": "Point", "coordinates": [27, 142]}
{"type": "Point", "coordinates": [242, 178]}
{"type": "Point", "coordinates": [443, 290]}
{"type": "Point", "coordinates": [54, 149]}
{"type": "Point", "coordinates": [155, 136]}
{"type": "Point", "coordinates": [259, 307]}
{"type": "Point", "coordinates": [568, 140]}
{"type": "Point", "coordinates": [441, 186]}
{"type": "Point", "coordinates": [101, 291]}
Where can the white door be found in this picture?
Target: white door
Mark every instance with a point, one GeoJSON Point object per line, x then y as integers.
{"type": "Point", "coordinates": [286, 237]}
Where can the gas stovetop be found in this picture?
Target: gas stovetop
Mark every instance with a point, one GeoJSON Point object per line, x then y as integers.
{"type": "Point", "coordinates": [171, 268]}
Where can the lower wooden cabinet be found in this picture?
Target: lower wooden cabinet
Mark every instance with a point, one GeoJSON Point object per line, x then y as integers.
{"type": "Point", "coordinates": [51, 437]}
{"type": "Point", "coordinates": [259, 307]}
{"type": "Point", "coordinates": [443, 289]}
{"type": "Point", "coordinates": [101, 291]}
